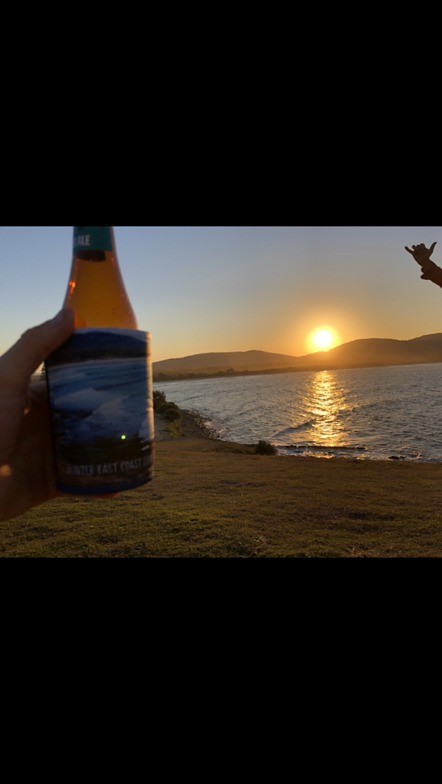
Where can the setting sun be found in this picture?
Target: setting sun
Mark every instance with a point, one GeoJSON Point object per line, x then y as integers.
{"type": "Point", "coordinates": [322, 338]}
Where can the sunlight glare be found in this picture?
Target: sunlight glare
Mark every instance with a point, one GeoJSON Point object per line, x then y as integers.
{"type": "Point", "coordinates": [323, 338]}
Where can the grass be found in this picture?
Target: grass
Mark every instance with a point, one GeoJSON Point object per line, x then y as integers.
{"type": "Point", "coordinates": [212, 499]}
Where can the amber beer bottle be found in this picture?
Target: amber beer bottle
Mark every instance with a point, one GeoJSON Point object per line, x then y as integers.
{"type": "Point", "coordinates": [100, 381]}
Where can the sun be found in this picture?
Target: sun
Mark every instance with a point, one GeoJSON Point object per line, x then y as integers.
{"type": "Point", "coordinates": [322, 338]}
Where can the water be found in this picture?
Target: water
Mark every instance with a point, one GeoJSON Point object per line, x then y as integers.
{"type": "Point", "coordinates": [371, 413]}
{"type": "Point", "coordinates": [100, 400]}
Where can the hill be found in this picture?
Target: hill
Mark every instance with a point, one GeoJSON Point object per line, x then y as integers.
{"type": "Point", "coordinates": [225, 361]}
{"type": "Point", "coordinates": [366, 352]}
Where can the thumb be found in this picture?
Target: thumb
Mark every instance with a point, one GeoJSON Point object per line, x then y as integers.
{"type": "Point", "coordinates": [432, 248]}
{"type": "Point", "coordinates": [24, 357]}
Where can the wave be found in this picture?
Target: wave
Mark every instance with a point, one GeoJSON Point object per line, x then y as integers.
{"type": "Point", "coordinates": [288, 431]}
{"type": "Point", "coordinates": [323, 447]}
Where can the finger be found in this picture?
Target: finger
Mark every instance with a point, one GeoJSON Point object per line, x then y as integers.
{"type": "Point", "coordinates": [414, 252]}
{"type": "Point", "coordinates": [432, 247]}
{"type": "Point", "coordinates": [24, 357]}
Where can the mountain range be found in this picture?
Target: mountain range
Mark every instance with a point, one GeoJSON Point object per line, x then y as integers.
{"type": "Point", "coordinates": [367, 352]}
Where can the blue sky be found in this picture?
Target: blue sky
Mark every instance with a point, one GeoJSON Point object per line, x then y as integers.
{"type": "Point", "coordinates": [201, 289]}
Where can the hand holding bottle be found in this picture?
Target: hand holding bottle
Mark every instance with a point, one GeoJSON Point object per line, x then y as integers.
{"type": "Point", "coordinates": [26, 458]}
{"type": "Point", "coordinates": [100, 381]}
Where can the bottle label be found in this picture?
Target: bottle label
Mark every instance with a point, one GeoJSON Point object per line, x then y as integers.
{"type": "Point", "coordinates": [92, 238]}
{"type": "Point", "coordinates": [101, 401]}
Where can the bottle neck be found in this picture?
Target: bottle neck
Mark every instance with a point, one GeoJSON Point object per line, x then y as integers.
{"type": "Point", "coordinates": [93, 238]}
{"type": "Point", "coordinates": [96, 290]}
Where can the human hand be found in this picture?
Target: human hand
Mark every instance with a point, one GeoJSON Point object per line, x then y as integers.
{"type": "Point", "coordinates": [27, 475]}
{"type": "Point", "coordinates": [420, 253]}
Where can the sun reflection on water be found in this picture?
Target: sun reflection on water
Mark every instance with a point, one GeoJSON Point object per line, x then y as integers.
{"type": "Point", "coordinates": [326, 400]}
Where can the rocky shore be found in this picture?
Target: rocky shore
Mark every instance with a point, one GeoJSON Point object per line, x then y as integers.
{"type": "Point", "coordinates": [190, 425]}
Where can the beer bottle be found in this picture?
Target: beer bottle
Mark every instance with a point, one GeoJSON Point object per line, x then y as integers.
{"type": "Point", "coordinates": [100, 381]}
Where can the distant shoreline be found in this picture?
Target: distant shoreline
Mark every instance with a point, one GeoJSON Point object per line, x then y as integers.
{"type": "Point", "coordinates": [357, 354]}
{"type": "Point", "coordinates": [189, 376]}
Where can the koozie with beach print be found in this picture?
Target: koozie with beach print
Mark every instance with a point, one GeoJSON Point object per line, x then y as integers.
{"type": "Point", "coordinates": [101, 401]}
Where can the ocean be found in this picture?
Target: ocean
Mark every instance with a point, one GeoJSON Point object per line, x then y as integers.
{"type": "Point", "coordinates": [382, 413]}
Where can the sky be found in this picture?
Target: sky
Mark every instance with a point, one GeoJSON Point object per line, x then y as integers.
{"type": "Point", "coordinates": [199, 289]}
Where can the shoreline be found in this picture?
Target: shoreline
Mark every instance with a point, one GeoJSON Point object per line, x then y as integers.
{"type": "Point", "coordinates": [161, 378]}
{"type": "Point", "coordinates": [190, 425]}
{"type": "Point", "coordinates": [193, 425]}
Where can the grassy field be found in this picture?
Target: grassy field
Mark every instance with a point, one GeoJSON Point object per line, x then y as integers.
{"type": "Point", "coordinates": [212, 499]}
